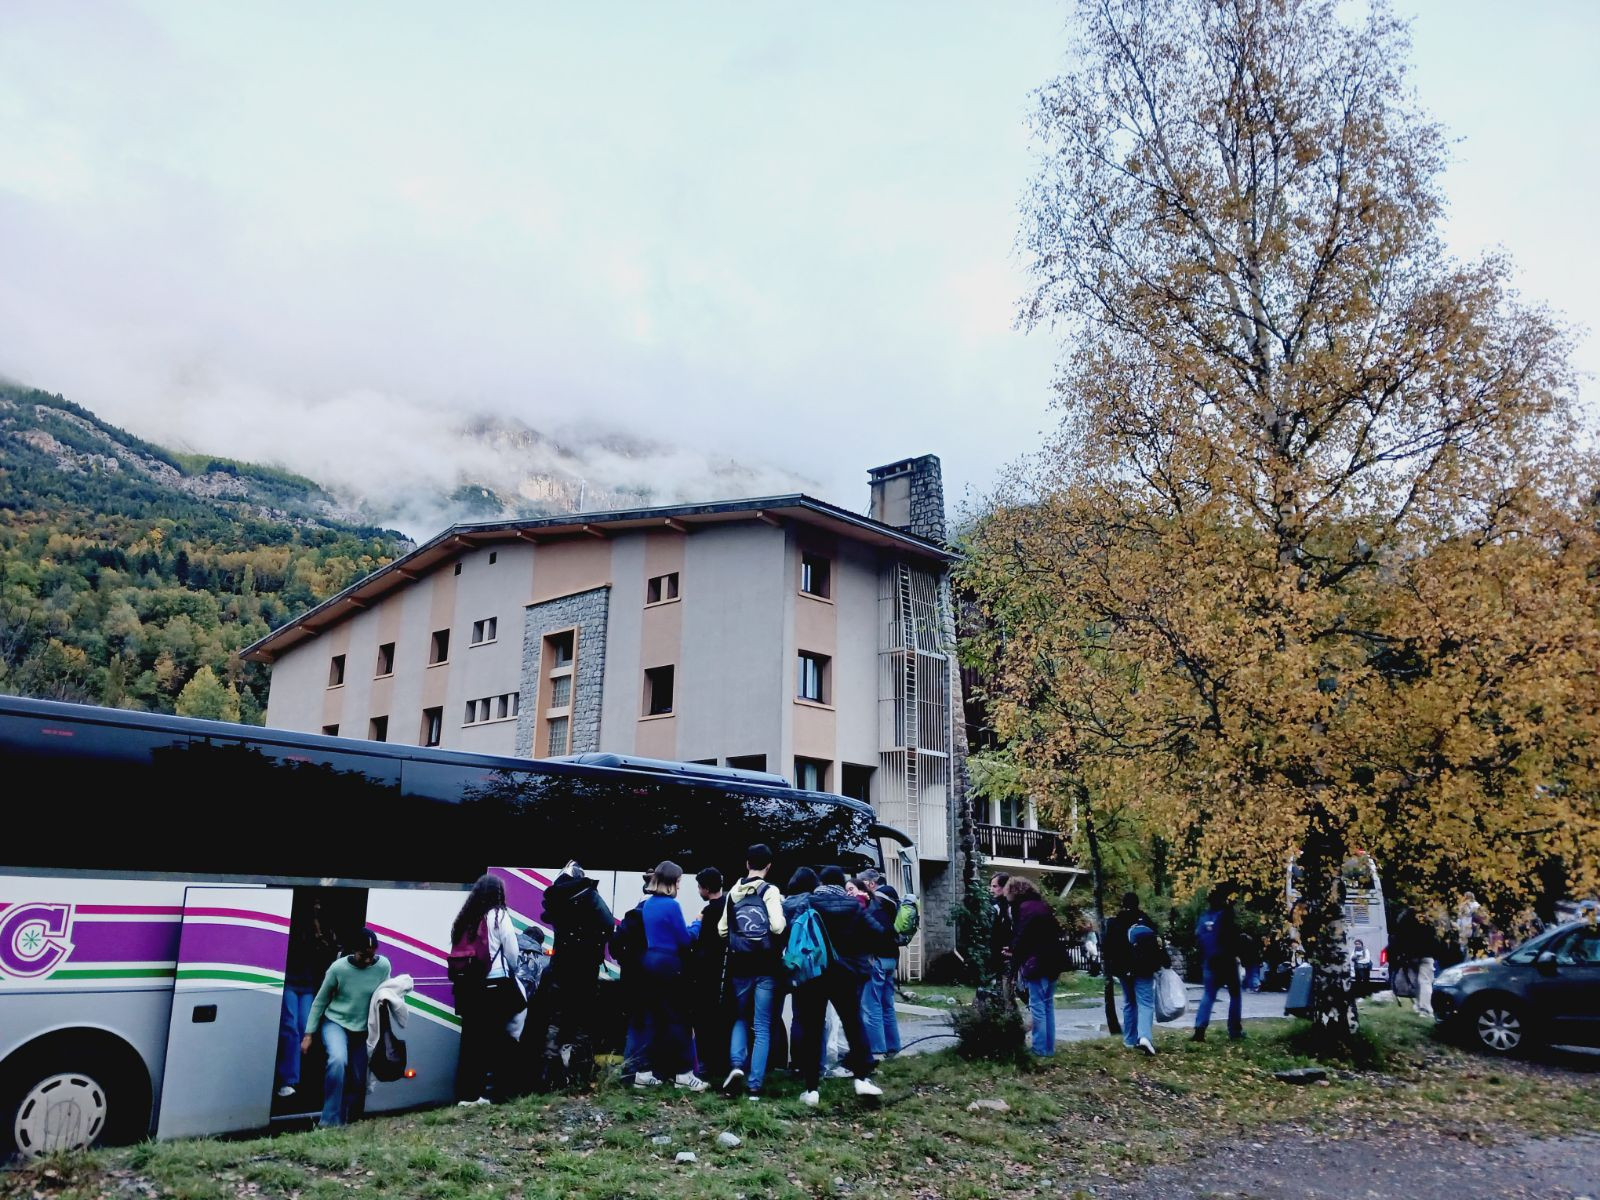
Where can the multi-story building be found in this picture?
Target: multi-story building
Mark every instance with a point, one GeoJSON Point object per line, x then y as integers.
{"type": "Point", "coordinates": [780, 634]}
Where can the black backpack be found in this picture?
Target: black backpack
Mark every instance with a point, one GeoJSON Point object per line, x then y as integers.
{"type": "Point", "coordinates": [749, 923]}
{"type": "Point", "coordinates": [388, 1059]}
{"type": "Point", "coordinates": [629, 942]}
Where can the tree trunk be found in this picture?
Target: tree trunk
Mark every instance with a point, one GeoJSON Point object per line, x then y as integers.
{"type": "Point", "coordinates": [1333, 1001]}
{"type": "Point", "coordinates": [1113, 1025]}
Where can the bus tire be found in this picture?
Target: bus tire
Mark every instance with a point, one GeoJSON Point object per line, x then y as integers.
{"type": "Point", "coordinates": [72, 1090]}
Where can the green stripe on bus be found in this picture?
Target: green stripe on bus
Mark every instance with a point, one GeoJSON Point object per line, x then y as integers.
{"type": "Point", "coordinates": [113, 973]}
{"type": "Point", "coordinates": [432, 1009]}
{"type": "Point", "coordinates": [237, 976]}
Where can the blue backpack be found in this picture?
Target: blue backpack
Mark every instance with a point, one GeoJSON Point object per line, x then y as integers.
{"type": "Point", "coordinates": [808, 954]}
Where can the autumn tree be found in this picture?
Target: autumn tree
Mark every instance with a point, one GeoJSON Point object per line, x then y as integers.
{"type": "Point", "coordinates": [1311, 562]}
{"type": "Point", "coordinates": [207, 696]}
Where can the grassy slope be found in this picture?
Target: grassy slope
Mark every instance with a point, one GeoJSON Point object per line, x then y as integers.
{"type": "Point", "coordinates": [1095, 1110]}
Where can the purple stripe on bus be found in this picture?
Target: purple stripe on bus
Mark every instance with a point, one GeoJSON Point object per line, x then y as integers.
{"type": "Point", "coordinates": [124, 941]}
{"type": "Point", "coordinates": [524, 898]}
{"type": "Point", "coordinates": [431, 980]}
{"type": "Point", "coordinates": [237, 945]}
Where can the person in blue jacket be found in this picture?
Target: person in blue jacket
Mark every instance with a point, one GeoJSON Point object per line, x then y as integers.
{"type": "Point", "coordinates": [663, 986]}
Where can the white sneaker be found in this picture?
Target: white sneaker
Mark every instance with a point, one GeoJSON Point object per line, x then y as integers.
{"type": "Point", "coordinates": [644, 1079]}
{"type": "Point", "coordinates": [841, 1073]}
{"type": "Point", "coordinates": [1147, 1046]}
{"type": "Point", "coordinates": [734, 1080]}
{"type": "Point", "coordinates": [810, 1099]}
{"type": "Point", "coordinates": [865, 1087]}
{"type": "Point", "coordinates": [285, 1092]}
{"type": "Point", "coordinates": [691, 1081]}
{"type": "Point", "coordinates": [473, 1103]}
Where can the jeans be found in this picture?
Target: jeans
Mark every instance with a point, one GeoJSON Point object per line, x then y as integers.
{"type": "Point", "coordinates": [344, 1087]}
{"type": "Point", "coordinates": [1042, 1007]}
{"type": "Point", "coordinates": [752, 1005]}
{"type": "Point", "coordinates": [877, 1007]}
{"type": "Point", "coordinates": [1214, 977]}
{"type": "Point", "coordinates": [1138, 1008]}
{"type": "Point", "coordinates": [297, 1000]}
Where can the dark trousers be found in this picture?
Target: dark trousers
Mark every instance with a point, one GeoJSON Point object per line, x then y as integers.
{"type": "Point", "coordinates": [842, 988]}
{"type": "Point", "coordinates": [712, 1029]}
{"type": "Point", "coordinates": [569, 1004]}
{"type": "Point", "coordinates": [664, 1014]}
{"type": "Point", "coordinates": [487, 1050]}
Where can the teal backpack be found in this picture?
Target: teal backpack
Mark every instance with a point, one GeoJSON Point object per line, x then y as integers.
{"type": "Point", "coordinates": [808, 954]}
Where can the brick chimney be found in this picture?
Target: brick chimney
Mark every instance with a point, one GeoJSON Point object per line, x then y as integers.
{"type": "Point", "coordinates": [909, 495]}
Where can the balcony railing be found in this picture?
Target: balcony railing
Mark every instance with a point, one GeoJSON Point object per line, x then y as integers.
{"type": "Point", "coordinates": [1025, 845]}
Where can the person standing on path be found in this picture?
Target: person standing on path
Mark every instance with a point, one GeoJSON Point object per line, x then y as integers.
{"type": "Point", "coordinates": [846, 976]}
{"type": "Point", "coordinates": [1119, 959]}
{"type": "Point", "coordinates": [1035, 952]}
{"type": "Point", "coordinates": [753, 923]}
{"type": "Point", "coordinates": [1147, 956]}
{"type": "Point", "coordinates": [877, 1001]}
{"type": "Point", "coordinates": [1216, 935]}
{"type": "Point", "coordinates": [339, 1013]}
{"type": "Point", "coordinates": [662, 983]}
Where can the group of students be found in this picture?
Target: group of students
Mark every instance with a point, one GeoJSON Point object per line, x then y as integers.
{"type": "Point", "coordinates": [705, 999]}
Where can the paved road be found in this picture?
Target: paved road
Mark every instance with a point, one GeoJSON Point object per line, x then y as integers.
{"type": "Point", "coordinates": [1079, 1022]}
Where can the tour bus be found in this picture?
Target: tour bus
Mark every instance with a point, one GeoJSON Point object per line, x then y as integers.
{"type": "Point", "coordinates": [154, 869]}
{"type": "Point", "coordinates": [1365, 919]}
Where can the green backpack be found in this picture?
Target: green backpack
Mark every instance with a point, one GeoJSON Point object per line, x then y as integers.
{"type": "Point", "coordinates": [907, 920]}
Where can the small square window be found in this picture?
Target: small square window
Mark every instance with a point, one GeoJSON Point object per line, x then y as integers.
{"type": "Point", "coordinates": [432, 725]}
{"type": "Point", "coordinates": [439, 647]}
{"type": "Point", "coordinates": [661, 589]}
{"type": "Point", "coordinates": [336, 671]}
{"type": "Point", "coordinates": [458, 569]}
{"type": "Point", "coordinates": [485, 630]}
{"type": "Point", "coordinates": [811, 677]}
{"type": "Point", "coordinates": [815, 575]}
{"type": "Point", "coordinates": [560, 649]}
{"type": "Point", "coordinates": [330, 731]}
{"type": "Point", "coordinates": [561, 691]}
{"type": "Point", "coordinates": [472, 713]}
{"type": "Point", "coordinates": [502, 707]}
{"type": "Point", "coordinates": [811, 774]}
{"type": "Point", "coordinates": [556, 741]}
{"type": "Point", "coordinates": [385, 659]}
{"type": "Point", "coordinates": [857, 782]}
{"type": "Point", "coordinates": [658, 684]}
{"type": "Point", "coordinates": [493, 555]}
{"type": "Point", "coordinates": [378, 729]}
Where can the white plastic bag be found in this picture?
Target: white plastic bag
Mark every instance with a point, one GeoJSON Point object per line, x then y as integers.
{"type": "Point", "coordinates": [1172, 998]}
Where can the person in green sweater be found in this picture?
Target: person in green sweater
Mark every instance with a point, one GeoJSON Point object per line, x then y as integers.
{"type": "Point", "coordinates": [345, 998]}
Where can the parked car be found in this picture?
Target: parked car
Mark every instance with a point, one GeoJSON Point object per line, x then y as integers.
{"type": "Point", "coordinates": [1546, 991]}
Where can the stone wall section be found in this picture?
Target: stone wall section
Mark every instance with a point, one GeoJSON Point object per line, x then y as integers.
{"type": "Point", "coordinates": [587, 611]}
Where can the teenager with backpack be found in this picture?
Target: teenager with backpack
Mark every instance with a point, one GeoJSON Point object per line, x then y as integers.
{"type": "Point", "coordinates": [850, 939]}
{"type": "Point", "coordinates": [489, 998]}
{"type": "Point", "coordinates": [1146, 956]}
{"type": "Point", "coordinates": [1035, 955]}
{"type": "Point", "coordinates": [1216, 936]}
{"type": "Point", "coordinates": [877, 998]}
{"type": "Point", "coordinates": [569, 990]}
{"type": "Point", "coordinates": [662, 984]}
{"type": "Point", "coordinates": [753, 922]}
{"type": "Point", "coordinates": [339, 1014]}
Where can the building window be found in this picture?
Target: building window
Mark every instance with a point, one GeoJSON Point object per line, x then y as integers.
{"type": "Point", "coordinates": [558, 740]}
{"type": "Point", "coordinates": [560, 647]}
{"type": "Point", "coordinates": [816, 576]}
{"type": "Point", "coordinates": [561, 691]}
{"type": "Point", "coordinates": [492, 708]}
{"type": "Point", "coordinates": [748, 762]}
{"type": "Point", "coordinates": [378, 729]}
{"type": "Point", "coordinates": [856, 782]}
{"type": "Point", "coordinates": [811, 682]}
{"type": "Point", "coordinates": [484, 630]}
{"type": "Point", "coordinates": [658, 683]}
{"type": "Point", "coordinates": [385, 660]}
{"type": "Point", "coordinates": [336, 671]}
{"type": "Point", "coordinates": [330, 731]}
{"type": "Point", "coordinates": [556, 692]}
{"type": "Point", "coordinates": [661, 589]}
{"type": "Point", "coordinates": [439, 647]}
{"type": "Point", "coordinates": [432, 725]}
{"type": "Point", "coordinates": [471, 716]}
{"type": "Point", "coordinates": [1011, 811]}
{"type": "Point", "coordinates": [458, 568]}
{"type": "Point", "coordinates": [494, 555]}
{"type": "Point", "coordinates": [811, 774]}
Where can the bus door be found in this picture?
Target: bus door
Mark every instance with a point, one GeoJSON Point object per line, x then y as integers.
{"type": "Point", "coordinates": [226, 1004]}
{"type": "Point", "coordinates": [413, 928]}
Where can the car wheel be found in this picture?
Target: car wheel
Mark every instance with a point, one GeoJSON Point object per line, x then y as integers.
{"type": "Point", "coordinates": [1498, 1027]}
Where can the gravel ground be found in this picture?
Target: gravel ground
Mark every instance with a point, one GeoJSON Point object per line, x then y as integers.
{"type": "Point", "coordinates": [1405, 1164]}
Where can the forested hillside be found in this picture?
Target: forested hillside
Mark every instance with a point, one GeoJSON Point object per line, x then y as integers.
{"type": "Point", "coordinates": [131, 576]}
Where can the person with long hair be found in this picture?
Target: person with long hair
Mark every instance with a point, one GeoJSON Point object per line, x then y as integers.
{"type": "Point", "coordinates": [488, 1034]}
{"type": "Point", "coordinates": [663, 987]}
{"type": "Point", "coordinates": [1035, 955]}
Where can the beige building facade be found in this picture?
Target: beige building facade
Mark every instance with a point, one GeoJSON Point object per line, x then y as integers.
{"type": "Point", "coordinates": [779, 634]}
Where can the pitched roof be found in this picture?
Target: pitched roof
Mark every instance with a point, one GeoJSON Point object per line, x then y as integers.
{"type": "Point", "coordinates": [774, 510]}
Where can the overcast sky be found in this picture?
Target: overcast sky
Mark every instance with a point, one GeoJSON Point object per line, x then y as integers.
{"type": "Point", "coordinates": [316, 233]}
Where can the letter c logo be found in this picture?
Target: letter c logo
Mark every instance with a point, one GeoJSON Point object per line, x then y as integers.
{"type": "Point", "coordinates": [33, 938]}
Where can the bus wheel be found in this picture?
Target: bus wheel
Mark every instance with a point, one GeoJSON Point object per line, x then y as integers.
{"type": "Point", "coordinates": [69, 1097]}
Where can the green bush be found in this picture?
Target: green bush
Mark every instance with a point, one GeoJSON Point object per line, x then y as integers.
{"type": "Point", "coordinates": [990, 1028]}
